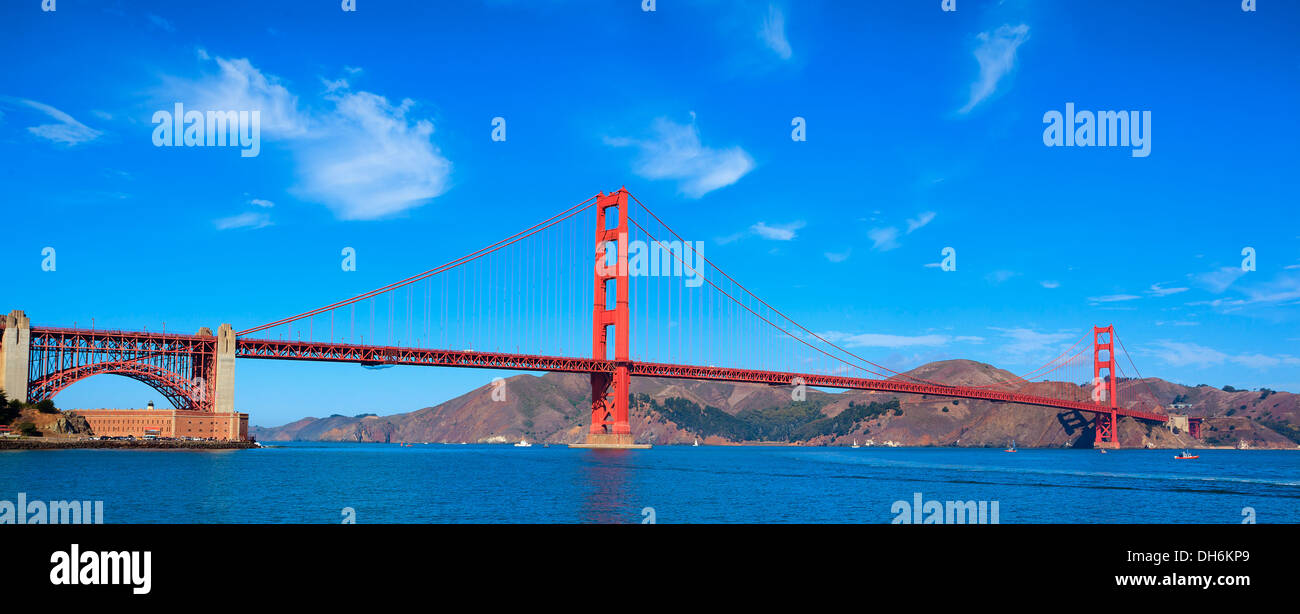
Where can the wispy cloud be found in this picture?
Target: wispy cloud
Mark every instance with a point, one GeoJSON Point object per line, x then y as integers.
{"type": "Point", "coordinates": [1000, 276]}
{"type": "Point", "coordinates": [764, 230]}
{"type": "Point", "coordinates": [676, 152]}
{"type": "Point", "coordinates": [919, 221]}
{"type": "Point", "coordinates": [1183, 354]}
{"type": "Point", "coordinates": [881, 340]}
{"type": "Point", "coordinates": [1113, 298]}
{"type": "Point", "coordinates": [249, 220]}
{"type": "Point", "coordinates": [66, 130]}
{"type": "Point", "coordinates": [773, 33]}
{"type": "Point", "coordinates": [996, 55]}
{"type": "Point", "coordinates": [838, 256]}
{"type": "Point", "coordinates": [160, 23]}
{"type": "Point", "coordinates": [261, 202]}
{"type": "Point", "coordinates": [362, 156]}
{"type": "Point", "coordinates": [1050, 284]}
{"type": "Point", "coordinates": [1160, 290]}
{"type": "Point", "coordinates": [1220, 279]}
{"type": "Point", "coordinates": [782, 232]}
{"type": "Point", "coordinates": [883, 239]}
{"type": "Point", "coordinates": [1026, 341]}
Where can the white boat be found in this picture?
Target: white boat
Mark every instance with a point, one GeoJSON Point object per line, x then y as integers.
{"type": "Point", "coordinates": [523, 443]}
{"type": "Point", "coordinates": [855, 444]}
{"type": "Point", "coordinates": [697, 442]}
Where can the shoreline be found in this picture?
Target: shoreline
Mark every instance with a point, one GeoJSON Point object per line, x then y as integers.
{"type": "Point", "coordinates": [117, 444]}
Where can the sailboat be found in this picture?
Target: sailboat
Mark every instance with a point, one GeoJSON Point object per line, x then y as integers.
{"type": "Point", "coordinates": [697, 443]}
{"type": "Point", "coordinates": [523, 443]}
{"type": "Point", "coordinates": [1012, 448]}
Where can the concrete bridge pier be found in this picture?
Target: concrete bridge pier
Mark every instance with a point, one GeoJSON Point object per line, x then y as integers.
{"type": "Point", "coordinates": [15, 355]}
{"type": "Point", "coordinates": [223, 372]}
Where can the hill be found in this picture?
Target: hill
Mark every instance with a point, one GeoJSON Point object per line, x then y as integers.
{"type": "Point", "coordinates": [552, 408]}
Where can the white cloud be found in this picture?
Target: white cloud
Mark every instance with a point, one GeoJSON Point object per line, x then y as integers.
{"type": "Point", "coordinates": [261, 202]}
{"type": "Point", "coordinates": [1281, 289]}
{"type": "Point", "coordinates": [362, 156]}
{"type": "Point", "coordinates": [677, 153]}
{"type": "Point", "coordinates": [838, 256]}
{"type": "Point", "coordinates": [996, 55]}
{"type": "Point", "coordinates": [883, 239]}
{"type": "Point", "coordinates": [920, 221]}
{"type": "Point", "coordinates": [1182, 354]}
{"type": "Point", "coordinates": [1050, 284]}
{"type": "Point", "coordinates": [881, 340]}
{"type": "Point", "coordinates": [773, 33]}
{"type": "Point", "coordinates": [1028, 341]}
{"type": "Point", "coordinates": [1113, 298]}
{"type": "Point", "coordinates": [244, 220]}
{"type": "Point", "coordinates": [999, 276]}
{"type": "Point", "coordinates": [373, 161]}
{"type": "Point", "coordinates": [1160, 290]}
{"type": "Point", "coordinates": [785, 232]}
{"type": "Point", "coordinates": [1218, 280]}
{"type": "Point", "coordinates": [159, 22]}
{"type": "Point", "coordinates": [67, 131]}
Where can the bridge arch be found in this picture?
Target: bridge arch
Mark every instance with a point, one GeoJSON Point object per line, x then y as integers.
{"type": "Point", "coordinates": [181, 392]}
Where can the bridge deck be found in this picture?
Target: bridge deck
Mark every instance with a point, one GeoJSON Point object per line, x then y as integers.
{"type": "Point", "coordinates": [377, 355]}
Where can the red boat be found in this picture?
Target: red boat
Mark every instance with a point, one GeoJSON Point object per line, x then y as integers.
{"type": "Point", "coordinates": [1187, 456]}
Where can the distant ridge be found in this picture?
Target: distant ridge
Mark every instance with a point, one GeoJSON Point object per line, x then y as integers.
{"type": "Point", "coordinates": [552, 408]}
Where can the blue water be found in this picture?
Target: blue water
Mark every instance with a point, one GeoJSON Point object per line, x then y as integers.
{"type": "Point", "coordinates": [386, 483]}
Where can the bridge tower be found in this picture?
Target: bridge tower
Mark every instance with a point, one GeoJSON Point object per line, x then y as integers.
{"type": "Point", "coordinates": [609, 392]}
{"type": "Point", "coordinates": [1106, 423]}
{"type": "Point", "coordinates": [15, 355]}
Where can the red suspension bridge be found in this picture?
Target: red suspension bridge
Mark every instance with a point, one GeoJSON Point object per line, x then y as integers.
{"type": "Point", "coordinates": [657, 307]}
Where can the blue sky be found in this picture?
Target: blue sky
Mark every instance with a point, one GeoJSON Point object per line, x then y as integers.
{"type": "Point", "coordinates": [924, 131]}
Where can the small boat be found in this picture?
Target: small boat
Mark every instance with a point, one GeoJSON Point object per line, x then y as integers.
{"type": "Point", "coordinates": [697, 443]}
{"type": "Point", "coordinates": [855, 444]}
{"type": "Point", "coordinates": [1186, 456]}
{"type": "Point", "coordinates": [523, 443]}
{"type": "Point", "coordinates": [1012, 448]}
{"type": "Point", "coordinates": [1103, 450]}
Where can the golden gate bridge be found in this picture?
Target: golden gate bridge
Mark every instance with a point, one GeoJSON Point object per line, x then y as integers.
{"type": "Point", "coordinates": [656, 307]}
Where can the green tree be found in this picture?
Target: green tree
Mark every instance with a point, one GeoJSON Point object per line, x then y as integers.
{"type": "Point", "coordinates": [46, 406]}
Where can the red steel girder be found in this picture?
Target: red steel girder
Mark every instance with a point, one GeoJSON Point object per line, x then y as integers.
{"type": "Point", "coordinates": [365, 354]}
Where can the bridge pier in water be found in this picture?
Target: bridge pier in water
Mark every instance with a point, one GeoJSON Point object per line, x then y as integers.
{"type": "Point", "coordinates": [1106, 424]}
{"type": "Point", "coordinates": [609, 391]}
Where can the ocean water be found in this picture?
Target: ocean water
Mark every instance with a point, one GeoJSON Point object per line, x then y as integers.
{"type": "Point", "coordinates": [388, 483]}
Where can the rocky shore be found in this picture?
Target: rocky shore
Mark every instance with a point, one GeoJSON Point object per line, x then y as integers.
{"type": "Point", "coordinates": [35, 443]}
